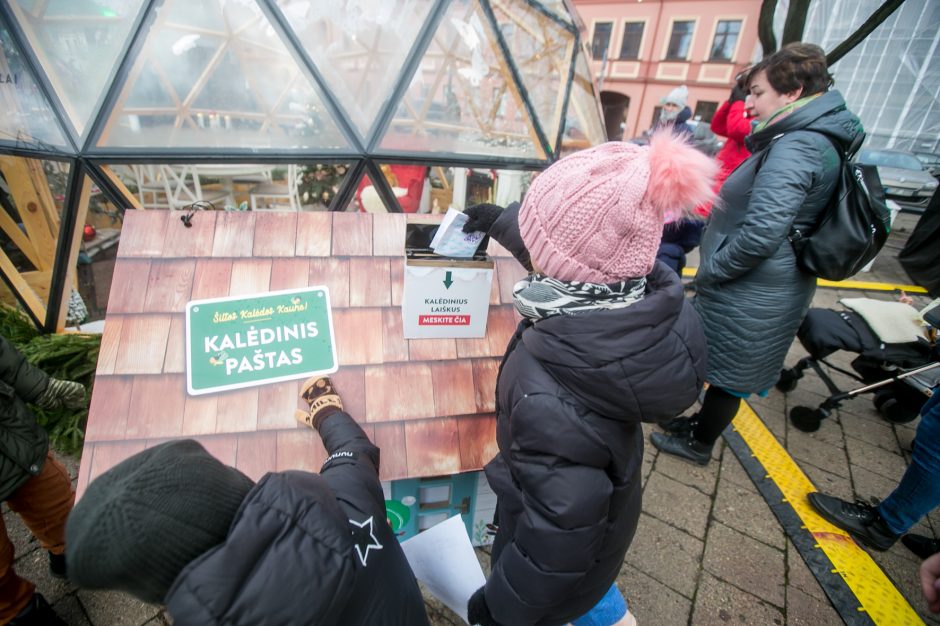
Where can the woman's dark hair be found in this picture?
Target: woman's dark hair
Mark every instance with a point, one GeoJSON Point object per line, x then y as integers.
{"type": "Point", "coordinates": [795, 66]}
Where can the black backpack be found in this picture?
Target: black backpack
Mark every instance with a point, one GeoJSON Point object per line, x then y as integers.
{"type": "Point", "coordinates": [854, 226]}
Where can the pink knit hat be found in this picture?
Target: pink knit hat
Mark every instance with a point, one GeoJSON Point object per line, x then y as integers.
{"type": "Point", "coordinates": [597, 215]}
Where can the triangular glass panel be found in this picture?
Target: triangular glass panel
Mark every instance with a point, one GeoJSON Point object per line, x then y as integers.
{"type": "Point", "coordinates": [584, 125]}
{"type": "Point", "coordinates": [558, 8]}
{"type": "Point", "coordinates": [358, 47]}
{"type": "Point", "coordinates": [215, 74]}
{"type": "Point", "coordinates": [318, 183]}
{"type": "Point", "coordinates": [367, 199]}
{"type": "Point", "coordinates": [541, 49]}
{"type": "Point", "coordinates": [355, 204]}
{"type": "Point", "coordinates": [28, 120]}
{"type": "Point", "coordinates": [78, 43]}
{"type": "Point", "coordinates": [462, 100]}
{"type": "Point", "coordinates": [94, 267]}
{"type": "Point", "coordinates": [32, 196]}
{"type": "Point", "coordinates": [224, 90]}
{"type": "Point", "coordinates": [411, 185]}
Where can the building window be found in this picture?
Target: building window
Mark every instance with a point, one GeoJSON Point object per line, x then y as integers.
{"type": "Point", "coordinates": [680, 40]}
{"type": "Point", "coordinates": [705, 111]}
{"type": "Point", "coordinates": [632, 35]}
{"type": "Point", "coordinates": [726, 38]}
{"type": "Point", "coordinates": [601, 40]}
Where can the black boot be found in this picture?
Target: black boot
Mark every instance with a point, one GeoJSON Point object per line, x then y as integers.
{"type": "Point", "coordinates": [679, 426]}
{"type": "Point", "coordinates": [923, 547]}
{"type": "Point", "coordinates": [683, 446]}
{"type": "Point", "coordinates": [859, 519]}
{"type": "Point", "coordinates": [37, 613]}
{"type": "Point", "coordinates": [57, 565]}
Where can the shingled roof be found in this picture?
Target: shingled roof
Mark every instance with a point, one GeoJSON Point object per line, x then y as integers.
{"type": "Point", "coordinates": [427, 403]}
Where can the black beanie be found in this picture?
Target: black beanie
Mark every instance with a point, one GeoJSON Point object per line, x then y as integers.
{"type": "Point", "coordinates": [140, 523]}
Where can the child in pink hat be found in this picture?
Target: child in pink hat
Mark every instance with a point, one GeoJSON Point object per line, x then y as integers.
{"type": "Point", "coordinates": [607, 341]}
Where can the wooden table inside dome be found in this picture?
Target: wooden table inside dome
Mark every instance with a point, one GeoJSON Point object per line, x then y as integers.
{"type": "Point", "coordinates": [428, 403]}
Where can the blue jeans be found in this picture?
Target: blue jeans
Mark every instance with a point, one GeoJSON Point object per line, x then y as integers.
{"type": "Point", "coordinates": [918, 493]}
{"type": "Point", "coordinates": [611, 609]}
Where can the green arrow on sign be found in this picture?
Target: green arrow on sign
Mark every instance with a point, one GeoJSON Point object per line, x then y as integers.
{"type": "Point", "coordinates": [447, 281]}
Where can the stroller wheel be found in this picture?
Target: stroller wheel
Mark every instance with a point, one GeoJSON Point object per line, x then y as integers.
{"type": "Point", "coordinates": [881, 397]}
{"type": "Point", "coordinates": [788, 379]}
{"type": "Point", "coordinates": [806, 419]}
{"type": "Point", "coordinates": [895, 412]}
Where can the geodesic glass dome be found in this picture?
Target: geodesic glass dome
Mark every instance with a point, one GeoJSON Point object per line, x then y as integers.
{"type": "Point", "coordinates": [340, 105]}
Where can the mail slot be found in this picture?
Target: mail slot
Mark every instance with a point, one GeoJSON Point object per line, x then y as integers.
{"type": "Point", "coordinates": [444, 297]}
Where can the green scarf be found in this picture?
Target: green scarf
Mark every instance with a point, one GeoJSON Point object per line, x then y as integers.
{"type": "Point", "coordinates": [784, 111]}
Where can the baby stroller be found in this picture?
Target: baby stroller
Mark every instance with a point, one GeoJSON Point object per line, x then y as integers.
{"type": "Point", "coordinates": [900, 374]}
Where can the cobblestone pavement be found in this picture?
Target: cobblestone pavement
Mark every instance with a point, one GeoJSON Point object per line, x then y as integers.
{"type": "Point", "coordinates": [708, 550]}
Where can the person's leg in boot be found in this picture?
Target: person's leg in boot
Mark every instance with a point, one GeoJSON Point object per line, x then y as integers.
{"type": "Point", "coordinates": [917, 494]}
{"type": "Point", "coordinates": [718, 410]}
{"type": "Point", "coordinates": [611, 610]}
{"type": "Point", "coordinates": [15, 592]}
{"type": "Point", "coordinates": [44, 503]}
{"type": "Point", "coordinates": [20, 603]}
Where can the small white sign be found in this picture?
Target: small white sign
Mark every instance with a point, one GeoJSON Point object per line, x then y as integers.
{"type": "Point", "coordinates": [446, 301]}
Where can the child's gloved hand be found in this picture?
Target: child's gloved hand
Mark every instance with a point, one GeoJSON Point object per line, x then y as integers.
{"type": "Point", "coordinates": [480, 217]}
{"type": "Point", "coordinates": [62, 393]}
{"type": "Point", "coordinates": [321, 397]}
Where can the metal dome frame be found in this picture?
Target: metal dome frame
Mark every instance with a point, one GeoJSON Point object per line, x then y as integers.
{"type": "Point", "coordinates": [87, 158]}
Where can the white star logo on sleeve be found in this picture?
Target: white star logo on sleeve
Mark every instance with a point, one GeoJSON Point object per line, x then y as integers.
{"type": "Point", "coordinates": [364, 537]}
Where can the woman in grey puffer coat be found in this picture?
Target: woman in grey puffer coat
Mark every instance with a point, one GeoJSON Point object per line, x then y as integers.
{"type": "Point", "coordinates": [751, 295]}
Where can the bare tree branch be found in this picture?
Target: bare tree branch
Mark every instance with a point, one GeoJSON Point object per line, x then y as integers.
{"type": "Point", "coordinates": [765, 26]}
{"type": "Point", "coordinates": [796, 21]}
{"type": "Point", "coordinates": [876, 19]}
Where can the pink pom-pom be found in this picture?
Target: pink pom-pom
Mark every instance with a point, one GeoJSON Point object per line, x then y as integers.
{"type": "Point", "coordinates": [681, 177]}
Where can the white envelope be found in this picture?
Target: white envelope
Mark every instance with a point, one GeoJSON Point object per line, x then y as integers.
{"type": "Point", "coordinates": [450, 240]}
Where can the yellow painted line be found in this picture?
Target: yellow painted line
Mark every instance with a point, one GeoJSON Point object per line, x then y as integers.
{"type": "Point", "coordinates": [860, 284]}
{"type": "Point", "coordinates": [689, 272]}
{"type": "Point", "coordinates": [877, 595]}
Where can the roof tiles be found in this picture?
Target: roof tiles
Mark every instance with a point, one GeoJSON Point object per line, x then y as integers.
{"type": "Point", "coordinates": [427, 403]}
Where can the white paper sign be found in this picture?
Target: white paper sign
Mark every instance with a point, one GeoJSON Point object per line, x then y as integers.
{"type": "Point", "coordinates": [443, 559]}
{"type": "Point", "coordinates": [443, 301]}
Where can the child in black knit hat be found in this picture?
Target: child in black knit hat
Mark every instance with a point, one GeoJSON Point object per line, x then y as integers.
{"type": "Point", "coordinates": [173, 525]}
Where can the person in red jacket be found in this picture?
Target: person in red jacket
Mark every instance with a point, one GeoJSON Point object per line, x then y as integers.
{"type": "Point", "coordinates": [730, 121]}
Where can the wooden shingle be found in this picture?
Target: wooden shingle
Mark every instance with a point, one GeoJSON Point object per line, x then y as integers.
{"type": "Point", "coordinates": [428, 403]}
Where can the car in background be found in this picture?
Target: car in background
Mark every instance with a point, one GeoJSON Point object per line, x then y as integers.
{"type": "Point", "coordinates": [903, 176]}
{"type": "Point", "coordinates": [931, 162]}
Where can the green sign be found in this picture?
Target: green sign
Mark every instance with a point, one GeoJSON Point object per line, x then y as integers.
{"type": "Point", "coordinates": [245, 341]}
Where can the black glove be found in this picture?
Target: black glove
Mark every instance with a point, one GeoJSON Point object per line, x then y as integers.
{"type": "Point", "coordinates": [481, 217]}
{"type": "Point", "coordinates": [477, 611]}
{"type": "Point", "coordinates": [737, 94]}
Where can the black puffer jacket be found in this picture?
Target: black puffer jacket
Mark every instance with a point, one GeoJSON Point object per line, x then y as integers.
{"type": "Point", "coordinates": [23, 443]}
{"type": "Point", "coordinates": [307, 549]}
{"type": "Point", "coordinates": [571, 393]}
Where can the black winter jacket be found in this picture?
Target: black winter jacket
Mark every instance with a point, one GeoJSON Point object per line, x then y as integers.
{"type": "Point", "coordinates": [570, 397]}
{"type": "Point", "coordinates": [307, 549]}
{"type": "Point", "coordinates": [750, 293]}
{"type": "Point", "coordinates": [23, 443]}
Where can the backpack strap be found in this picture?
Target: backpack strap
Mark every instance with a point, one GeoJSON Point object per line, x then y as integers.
{"type": "Point", "coordinates": [845, 156]}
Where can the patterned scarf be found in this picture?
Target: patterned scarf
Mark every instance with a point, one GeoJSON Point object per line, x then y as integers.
{"type": "Point", "coordinates": [538, 297]}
